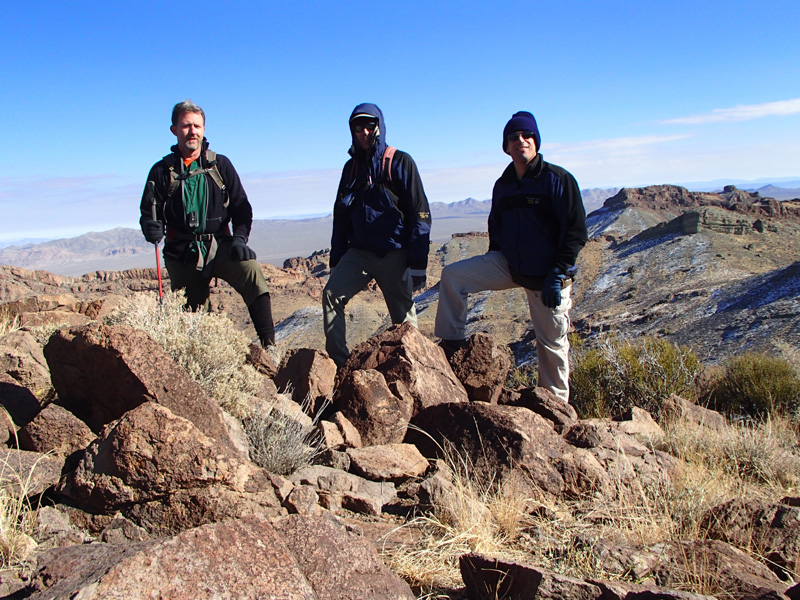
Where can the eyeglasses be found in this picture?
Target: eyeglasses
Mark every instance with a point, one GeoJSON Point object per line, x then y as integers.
{"type": "Point", "coordinates": [370, 127]}
{"type": "Point", "coordinates": [525, 134]}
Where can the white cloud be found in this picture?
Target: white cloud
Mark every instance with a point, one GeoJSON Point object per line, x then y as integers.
{"type": "Point", "coordinates": [742, 113]}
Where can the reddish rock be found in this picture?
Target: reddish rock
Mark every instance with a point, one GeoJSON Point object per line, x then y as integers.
{"type": "Point", "coordinates": [482, 367]}
{"type": "Point", "coordinates": [21, 357]}
{"type": "Point", "coordinates": [489, 578]}
{"type": "Point", "coordinates": [545, 403]}
{"type": "Point", "coordinates": [29, 473]}
{"type": "Point", "coordinates": [306, 373]}
{"type": "Point", "coordinates": [350, 435]}
{"type": "Point", "coordinates": [378, 411]}
{"type": "Point", "coordinates": [55, 430]}
{"type": "Point", "coordinates": [677, 408]}
{"type": "Point", "coordinates": [390, 462]}
{"type": "Point", "coordinates": [499, 439]}
{"type": "Point", "coordinates": [165, 475]}
{"type": "Point", "coordinates": [100, 372]}
{"type": "Point", "coordinates": [772, 530]}
{"type": "Point", "coordinates": [403, 353]}
{"type": "Point", "coordinates": [18, 401]}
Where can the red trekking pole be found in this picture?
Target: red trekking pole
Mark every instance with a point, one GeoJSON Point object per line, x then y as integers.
{"type": "Point", "coordinates": [158, 260]}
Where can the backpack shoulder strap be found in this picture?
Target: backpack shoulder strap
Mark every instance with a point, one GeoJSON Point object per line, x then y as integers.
{"type": "Point", "coordinates": [213, 170]}
{"type": "Point", "coordinates": [386, 164]}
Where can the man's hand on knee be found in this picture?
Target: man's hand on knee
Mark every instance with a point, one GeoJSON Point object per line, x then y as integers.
{"type": "Point", "coordinates": [240, 250]}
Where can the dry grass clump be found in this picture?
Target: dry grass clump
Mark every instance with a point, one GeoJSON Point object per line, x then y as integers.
{"type": "Point", "coordinates": [8, 322]}
{"type": "Point", "coordinates": [17, 516]}
{"type": "Point", "coordinates": [618, 374]}
{"type": "Point", "coordinates": [281, 440]}
{"type": "Point", "coordinates": [576, 538]}
{"type": "Point", "coordinates": [208, 346]}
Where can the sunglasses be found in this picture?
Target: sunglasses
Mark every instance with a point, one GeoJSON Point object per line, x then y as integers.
{"type": "Point", "coordinates": [359, 127]}
{"type": "Point", "coordinates": [525, 134]}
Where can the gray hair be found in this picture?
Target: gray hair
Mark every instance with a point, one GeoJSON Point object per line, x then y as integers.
{"type": "Point", "coordinates": [184, 107]}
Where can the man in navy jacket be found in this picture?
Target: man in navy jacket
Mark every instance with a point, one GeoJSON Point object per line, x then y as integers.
{"type": "Point", "coordinates": [537, 226]}
{"type": "Point", "coordinates": [381, 229]}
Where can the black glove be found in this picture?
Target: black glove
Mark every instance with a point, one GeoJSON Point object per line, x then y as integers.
{"type": "Point", "coordinates": [153, 231]}
{"type": "Point", "coordinates": [551, 290]}
{"type": "Point", "coordinates": [418, 282]}
{"type": "Point", "coordinates": [240, 250]}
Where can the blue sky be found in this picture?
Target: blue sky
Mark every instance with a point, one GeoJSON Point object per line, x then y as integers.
{"type": "Point", "coordinates": [626, 94]}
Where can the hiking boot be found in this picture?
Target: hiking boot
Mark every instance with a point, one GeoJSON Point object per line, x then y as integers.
{"type": "Point", "coordinates": [273, 353]}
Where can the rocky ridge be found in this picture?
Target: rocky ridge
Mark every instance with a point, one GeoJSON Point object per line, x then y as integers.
{"type": "Point", "coordinates": [143, 492]}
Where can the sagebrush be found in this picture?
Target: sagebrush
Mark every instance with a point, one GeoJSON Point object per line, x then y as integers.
{"type": "Point", "coordinates": [208, 346]}
{"type": "Point", "coordinates": [756, 385]}
{"type": "Point", "coordinates": [618, 374]}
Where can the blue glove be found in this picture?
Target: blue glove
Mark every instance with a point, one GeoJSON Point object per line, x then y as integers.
{"type": "Point", "coordinates": [551, 289]}
{"type": "Point", "coordinates": [240, 250]}
{"type": "Point", "coordinates": [153, 231]}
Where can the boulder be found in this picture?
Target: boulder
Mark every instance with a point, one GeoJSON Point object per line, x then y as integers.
{"type": "Point", "coordinates": [390, 462]}
{"type": "Point", "coordinates": [482, 367]}
{"type": "Point", "coordinates": [297, 558]}
{"type": "Point", "coordinates": [28, 473]}
{"type": "Point", "coordinates": [545, 403]}
{"type": "Point", "coordinates": [771, 530]}
{"type": "Point", "coordinates": [306, 374]}
{"type": "Point", "coordinates": [55, 430]}
{"type": "Point", "coordinates": [403, 353]}
{"type": "Point", "coordinates": [19, 402]}
{"type": "Point", "coordinates": [496, 439]}
{"type": "Point", "coordinates": [165, 475]}
{"type": "Point", "coordinates": [730, 569]}
{"type": "Point", "coordinates": [676, 408]}
{"type": "Point", "coordinates": [379, 412]}
{"type": "Point", "coordinates": [319, 545]}
{"type": "Point", "coordinates": [489, 578]}
{"type": "Point", "coordinates": [100, 372]}
{"type": "Point", "coordinates": [21, 357]}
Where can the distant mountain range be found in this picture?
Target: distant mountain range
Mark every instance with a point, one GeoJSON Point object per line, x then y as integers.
{"type": "Point", "coordinates": [274, 240]}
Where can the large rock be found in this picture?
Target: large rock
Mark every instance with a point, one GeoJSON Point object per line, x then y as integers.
{"type": "Point", "coordinates": [676, 408]}
{"type": "Point", "coordinates": [319, 545]}
{"type": "Point", "coordinates": [248, 559]}
{"type": "Point", "coordinates": [19, 402]}
{"type": "Point", "coordinates": [482, 367]}
{"type": "Point", "coordinates": [772, 530]}
{"type": "Point", "coordinates": [547, 404]}
{"type": "Point", "coordinates": [55, 430]}
{"type": "Point", "coordinates": [22, 358]}
{"type": "Point", "coordinates": [728, 568]}
{"type": "Point", "coordinates": [390, 462]}
{"type": "Point", "coordinates": [402, 353]}
{"type": "Point", "coordinates": [100, 372]}
{"type": "Point", "coordinates": [306, 374]}
{"type": "Point", "coordinates": [380, 412]}
{"type": "Point", "coordinates": [500, 440]}
{"type": "Point", "coordinates": [165, 475]}
{"type": "Point", "coordinates": [28, 473]}
{"type": "Point", "coordinates": [489, 578]}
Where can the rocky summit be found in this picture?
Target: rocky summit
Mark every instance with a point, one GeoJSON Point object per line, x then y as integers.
{"type": "Point", "coordinates": [146, 488]}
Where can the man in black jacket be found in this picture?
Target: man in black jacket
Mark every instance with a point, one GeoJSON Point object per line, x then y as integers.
{"type": "Point", "coordinates": [197, 195]}
{"type": "Point", "coordinates": [537, 226]}
{"type": "Point", "coordinates": [381, 229]}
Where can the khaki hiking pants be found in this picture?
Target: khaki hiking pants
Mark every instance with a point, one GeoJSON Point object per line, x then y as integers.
{"type": "Point", "coordinates": [490, 272]}
{"type": "Point", "coordinates": [351, 275]}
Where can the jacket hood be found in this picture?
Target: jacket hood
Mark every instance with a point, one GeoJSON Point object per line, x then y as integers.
{"type": "Point", "coordinates": [380, 141]}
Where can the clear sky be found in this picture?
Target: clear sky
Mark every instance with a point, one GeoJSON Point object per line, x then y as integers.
{"type": "Point", "coordinates": [626, 93]}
